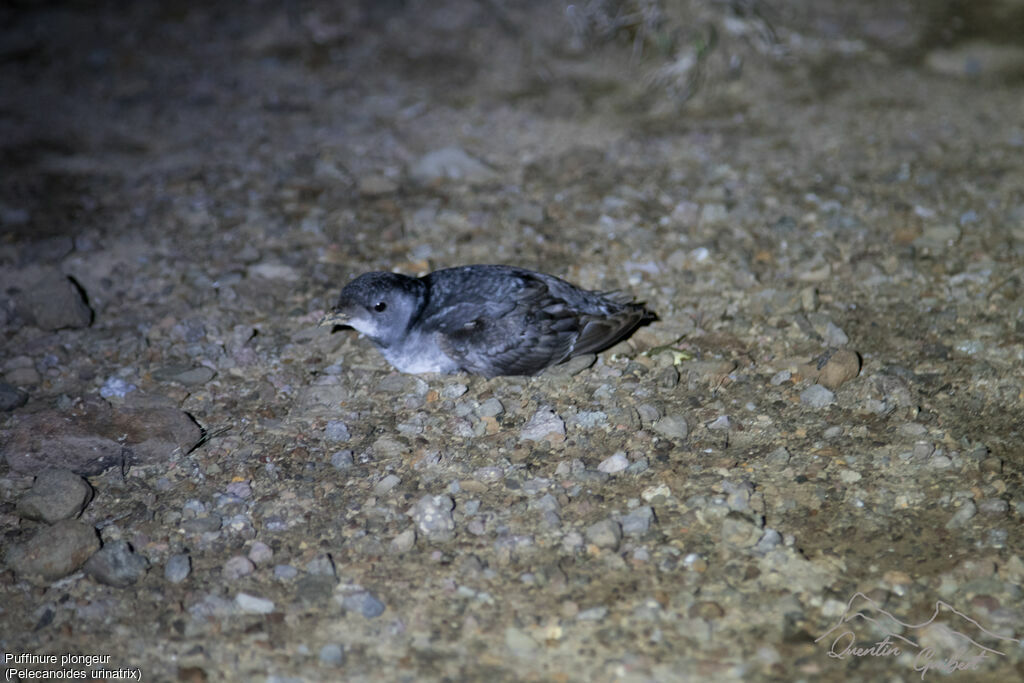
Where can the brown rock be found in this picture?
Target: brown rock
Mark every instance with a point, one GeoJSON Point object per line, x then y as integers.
{"type": "Point", "coordinates": [54, 302]}
{"type": "Point", "coordinates": [56, 494]}
{"type": "Point", "coordinates": [94, 437]}
{"type": "Point", "coordinates": [833, 368]}
{"type": "Point", "coordinates": [54, 551]}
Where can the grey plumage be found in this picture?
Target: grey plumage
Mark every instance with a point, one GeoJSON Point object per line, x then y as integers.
{"type": "Point", "coordinates": [486, 320]}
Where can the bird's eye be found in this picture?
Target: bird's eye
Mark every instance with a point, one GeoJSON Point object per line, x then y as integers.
{"type": "Point", "coordinates": [380, 306]}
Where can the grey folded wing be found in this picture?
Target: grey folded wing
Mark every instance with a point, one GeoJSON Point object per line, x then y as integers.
{"type": "Point", "coordinates": [519, 335]}
{"type": "Point", "coordinates": [531, 329]}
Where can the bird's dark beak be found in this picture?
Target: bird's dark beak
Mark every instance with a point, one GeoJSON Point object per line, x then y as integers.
{"type": "Point", "coordinates": [333, 318]}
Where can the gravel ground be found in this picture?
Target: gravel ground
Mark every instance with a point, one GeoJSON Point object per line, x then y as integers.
{"type": "Point", "coordinates": [822, 203]}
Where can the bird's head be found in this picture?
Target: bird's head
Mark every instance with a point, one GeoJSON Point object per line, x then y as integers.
{"type": "Point", "coordinates": [380, 305]}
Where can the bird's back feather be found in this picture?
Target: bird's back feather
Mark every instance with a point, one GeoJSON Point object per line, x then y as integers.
{"type": "Point", "coordinates": [501, 320]}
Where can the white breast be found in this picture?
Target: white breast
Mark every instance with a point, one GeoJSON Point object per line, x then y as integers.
{"type": "Point", "coordinates": [419, 354]}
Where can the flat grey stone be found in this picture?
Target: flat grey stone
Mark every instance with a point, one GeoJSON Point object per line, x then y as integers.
{"type": "Point", "coordinates": [184, 374]}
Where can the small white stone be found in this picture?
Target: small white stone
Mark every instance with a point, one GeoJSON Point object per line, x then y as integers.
{"type": "Point", "coordinates": [253, 604]}
{"type": "Point", "coordinates": [614, 463]}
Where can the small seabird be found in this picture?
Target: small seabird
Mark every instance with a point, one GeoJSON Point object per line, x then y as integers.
{"type": "Point", "coordinates": [485, 320]}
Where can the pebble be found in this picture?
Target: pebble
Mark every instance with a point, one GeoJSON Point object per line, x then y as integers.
{"type": "Point", "coordinates": [117, 565]}
{"type": "Point", "coordinates": [55, 494]}
{"type": "Point", "coordinates": [695, 562]}
{"type": "Point", "coordinates": [260, 553]}
{"type": "Point", "coordinates": [668, 377]}
{"type": "Point", "coordinates": [202, 525]}
{"type": "Point", "coordinates": [375, 185]}
{"type": "Point", "coordinates": [405, 385]}
{"type": "Point", "coordinates": [721, 423]}
{"type": "Point", "coordinates": [572, 541]}
{"type": "Point", "coordinates": [739, 531]}
{"type": "Point", "coordinates": [638, 466]}
{"type": "Point", "coordinates": [938, 237]}
{"type": "Point", "coordinates": [912, 429]}
{"type": "Point", "coordinates": [780, 377]}
{"type": "Point", "coordinates": [386, 484]}
{"type": "Point", "coordinates": [849, 476]}
{"type": "Point", "coordinates": [193, 508]}
{"type": "Point", "coordinates": [237, 567]}
{"type": "Point", "coordinates": [433, 517]}
{"type": "Point", "coordinates": [589, 419]}
{"type": "Point", "coordinates": [11, 397]}
{"type": "Point", "coordinates": [274, 271]}
{"type": "Point", "coordinates": [115, 387]}
{"type": "Point", "coordinates": [614, 463]}
{"type": "Point", "coordinates": [285, 572]}
{"type": "Point", "coordinates": [817, 396]}
{"type": "Point", "coordinates": [321, 565]}
{"type": "Point", "coordinates": [253, 604]}
{"type": "Point", "coordinates": [336, 431]}
{"type": "Point", "coordinates": [178, 567]}
{"type": "Point", "coordinates": [386, 447]}
{"type": "Point", "coordinates": [365, 603]}
{"type": "Point", "coordinates": [832, 432]}
{"type": "Point", "coordinates": [593, 614]}
{"type": "Point", "coordinates": [404, 541]}
{"type": "Point", "coordinates": [994, 506]}
{"type": "Point", "coordinates": [706, 609]}
{"type": "Point", "coordinates": [544, 424]}
{"type": "Point", "coordinates": [54, 302]}
{"type": "Point", "coordinates": [737, 495]}
{"type": "Point", "coordinates": [922, 450]}
{"type": "Point", "coordinates": [535, 485]}
{"type": "Point", "coordinates": [23, 377]}
{"type": "Point", "coordinates": [239, 489]}
{"type": "Point", "coordinates": [520, 643]}
{"type": "Point", "coordinates": [997, 538]}
{"type": "Point", "coordinates": [54, 551]}
{"type": "Point", "coordinates": [453, 390]}
{"type": "Point", "coordinates": [492, 407]}
{"type": "Point", "coordinates": [546, 503]}
{"type": "Point", "coordinates": [605, 534]}
{"type": "Point", "coordinates": [768, 541]}
{"type": "Point", "coordinates": [962, 516]}
{"type": "Point", "coordinates": [672, 427]}
{"type": "Point", "coordinates": [450, 163]}
{"type": "Point", "coordinates": [834, 335]}
{"type": "Point", "coordinates": [184, 374]}
{"type": "Point", "coordinates": [833, 368]}
{"type": "Point", "coordinates": [779, 457]}
{"type": "Point", "coordinates": [489, 475]}
{"type": "Point", "coordinates": [652, 494]}
{"type": "Point", "coordinates": [638, 521]}
{"type": "Point", "coordinates": [342, 460]}
{"type": "Point", "coordinates": [332, 654]}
